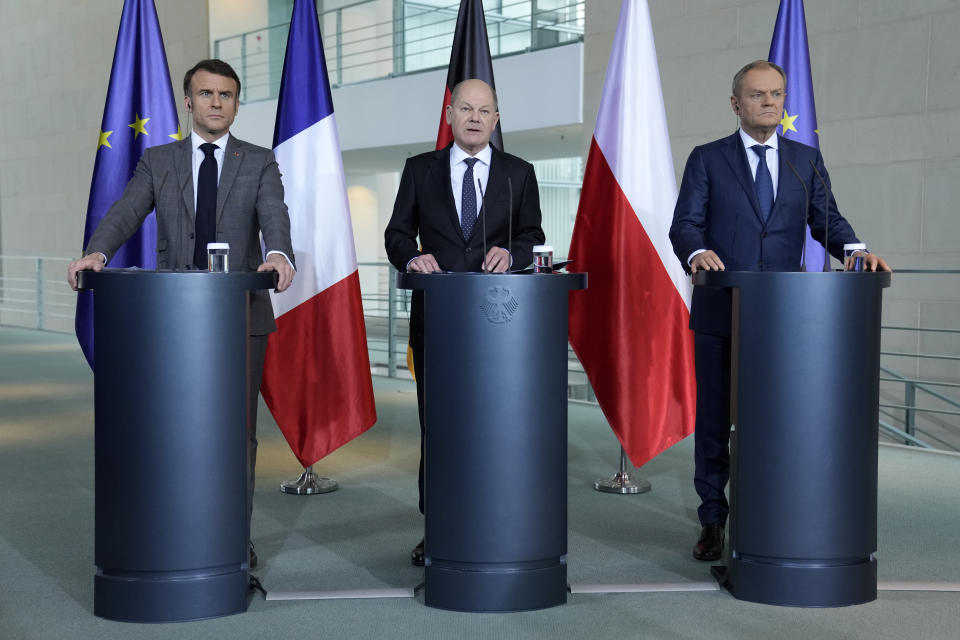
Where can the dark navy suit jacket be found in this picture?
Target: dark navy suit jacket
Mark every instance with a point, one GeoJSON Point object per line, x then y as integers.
{"type": "Point", "coordinates": [717, 209]}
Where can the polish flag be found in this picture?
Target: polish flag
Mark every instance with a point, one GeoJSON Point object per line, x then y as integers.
{"type": "Point", "coordinates": [317, 374]}
{"type": "Point", "coordinates": [629, 328]}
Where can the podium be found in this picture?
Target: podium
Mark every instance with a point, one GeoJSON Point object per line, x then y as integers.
{"type": "Point", "coordinates": [495, 495]}
{"type": "Point", "coordinates": [171, 522]}
{"type": "Point", "coordinates": [805, 358]}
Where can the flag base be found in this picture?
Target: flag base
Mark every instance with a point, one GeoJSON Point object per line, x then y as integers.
{"type": "Point", "coordinates": [622, 483]}
{"type": "Point", "coordinates": [308, 484]}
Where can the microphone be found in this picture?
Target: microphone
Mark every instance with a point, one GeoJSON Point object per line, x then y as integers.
{"type": "Point", "coordinates": [806, 215]}
{"type": "Point", "coordinates": [826, 217]}
{"type": "Point", "coordinates": [509, 224]}
{"type": "Point", "coordinates": [483, 222]}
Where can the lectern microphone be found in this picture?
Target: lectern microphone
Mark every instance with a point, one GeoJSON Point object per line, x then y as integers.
{"type": "Point", "coordinates": [806, 214]}
{"type": "Point", "coordinates": [826, 217]}
{"type": "Point", "coordinates": [483, 223]}
{"type": "Point", "coordinates": [509, 224]}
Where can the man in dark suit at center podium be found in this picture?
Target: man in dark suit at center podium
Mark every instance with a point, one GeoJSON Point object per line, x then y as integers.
{"type": "Point", "coordinates": [440, 201]}
{"type": "Point", "coordinates": [743, 206]}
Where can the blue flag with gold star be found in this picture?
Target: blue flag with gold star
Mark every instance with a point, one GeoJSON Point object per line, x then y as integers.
{"type": "Point", "coordinates": [789, 50]}
{"type": "Point", "coordinates": [140, 112]}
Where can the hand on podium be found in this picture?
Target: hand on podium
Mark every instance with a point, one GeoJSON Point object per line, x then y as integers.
{"type": "Point", "coordinates": [706, 261]}
{"type": "Point", "coordinates": [425, 263]}
{"type": "Point", "coordinates": [91, 262]}
{"type": "Point", "coordinates": [871, 262]}
{"type": "Point", "coordinates": [497, 260]}
{"type": "Point", "coordinates": [276, 262]}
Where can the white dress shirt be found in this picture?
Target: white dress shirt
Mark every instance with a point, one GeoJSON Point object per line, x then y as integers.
{"type": "Point", "coordinates": [481, 172]}
{"type": "Point", "coordinates": [773, 159]}
{"type": "Point", "coordinates": [199, 155]}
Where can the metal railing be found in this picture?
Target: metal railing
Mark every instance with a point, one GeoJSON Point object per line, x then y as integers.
{"type": "Point", "coordinates": [920, 365]}
{"type": "Point", "coordinates": [919, 382]}
{"type": "Point", "coordinates": [372, 39]}
{"type": "Point", "coordinates": [34, 293]}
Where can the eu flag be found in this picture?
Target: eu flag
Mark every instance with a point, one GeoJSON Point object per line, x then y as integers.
{"type": "Point", "coordinates": [789, 50]}
{"type": "Point", "coordinates": [140, 112]}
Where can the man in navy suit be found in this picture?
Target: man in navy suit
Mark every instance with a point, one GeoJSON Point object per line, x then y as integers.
{"type": "Point", "coordinates": [439, 201]}
{"type": "Point", "coordinates": [742, 206]}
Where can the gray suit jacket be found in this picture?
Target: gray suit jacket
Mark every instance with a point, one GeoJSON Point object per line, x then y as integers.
{"type": "Point", "coordinates": [249, 200]}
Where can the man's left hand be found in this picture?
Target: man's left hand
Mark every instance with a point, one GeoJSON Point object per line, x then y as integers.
{"type": "Point", "coordinates": [276, 262]}
{"type": "Point", "coordinates": [871, 262]}
{"type": "Point", "coordinates": [497, 260]}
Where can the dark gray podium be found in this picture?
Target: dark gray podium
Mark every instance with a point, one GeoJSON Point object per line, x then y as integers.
{"type": "Point", "coordinates": [804, 405]}
{"type": "Point", "coordinates": [496, 438]}
{"type": "Point", "coordinates": [171, 538]}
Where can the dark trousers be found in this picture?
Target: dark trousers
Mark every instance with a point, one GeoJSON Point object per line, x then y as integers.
{"type": "Point", "coordinates": [419, 371]}
{"type": "Point", "coordinates": [257, 353]}
{"type": "Point", "coordinates": [712, 430]}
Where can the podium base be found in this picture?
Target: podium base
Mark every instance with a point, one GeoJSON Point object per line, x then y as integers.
{"type": "Point", "coordinates": [170, 596]}
{"type": "Point", "coordinates": [799, 584]}
{"type": "Point", "coordinates": [494, 588]}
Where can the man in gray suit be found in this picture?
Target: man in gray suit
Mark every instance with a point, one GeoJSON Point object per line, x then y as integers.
{"type": "Point", "coordinates": [210, 187]}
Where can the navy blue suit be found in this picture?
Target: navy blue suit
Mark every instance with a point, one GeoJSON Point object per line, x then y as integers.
{"type": "Point", "coordinates": [717, 209]}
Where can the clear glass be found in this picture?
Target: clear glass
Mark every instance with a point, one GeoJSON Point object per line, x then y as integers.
{"type": "Point", "coordinates": [218, 260]}
{"type": "Point", "coordinates": [543, 261]}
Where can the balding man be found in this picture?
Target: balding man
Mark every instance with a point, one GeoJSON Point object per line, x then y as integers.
{"type": "Point", "coordinates": [439, 201]}
{"type": "Point", "coordinates": [742, 206]}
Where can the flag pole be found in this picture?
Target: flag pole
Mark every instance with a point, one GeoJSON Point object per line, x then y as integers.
{"type": "Point", "coordinates": [308, 484]}
{"type": "Point", "coordinates": [621, 482]}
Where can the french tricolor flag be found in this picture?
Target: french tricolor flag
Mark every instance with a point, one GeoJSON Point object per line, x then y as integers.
{"type": "Point", "coordinates": [629, 329]}
{"type": "Point", "coordinates": [317, 374]}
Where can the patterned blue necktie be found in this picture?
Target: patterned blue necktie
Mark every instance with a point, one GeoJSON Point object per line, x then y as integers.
{"type": "Point", "coordinates": [763, 182]}
{"type": "Point", "coordinates": [468, 200]}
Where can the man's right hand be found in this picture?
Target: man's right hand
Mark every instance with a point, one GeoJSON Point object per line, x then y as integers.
{"type": "Point", "coordinates": [92, 262]}
{"type": "Point", "coordinates": [706, 261]}
{"type": "Point", "coordinates": [424, 264]}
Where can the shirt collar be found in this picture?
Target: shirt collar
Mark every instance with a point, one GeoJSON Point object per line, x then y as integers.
{"type": "Point", "coordinates": [196, 141]}
{"type": "Point", "coordinates": [459, 155]}
{"type": "Point", "coordinates": [773, 142]}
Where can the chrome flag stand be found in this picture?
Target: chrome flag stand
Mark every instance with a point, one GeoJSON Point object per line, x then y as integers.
{"type": "Point", "coordinates": [621, 482]}
{"type": "Point", "coordinates": [308, 484]}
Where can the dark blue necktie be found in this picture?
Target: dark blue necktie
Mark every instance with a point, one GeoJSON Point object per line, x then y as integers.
{"type": "Point", "coordinates": [764, 182]}
{"type": "Point", "coordinates": [468, 200]}
{"type": "Point", "coordinates": [206, 222]}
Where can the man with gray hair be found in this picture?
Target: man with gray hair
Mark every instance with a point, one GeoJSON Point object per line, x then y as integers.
{"type": "Point", "coordinates": [742, 206]}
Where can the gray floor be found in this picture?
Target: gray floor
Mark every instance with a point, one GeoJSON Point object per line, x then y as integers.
{"type": "Point", "coordinates": [359, 537]}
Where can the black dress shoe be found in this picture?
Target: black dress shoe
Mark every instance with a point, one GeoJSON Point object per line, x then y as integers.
{"type": "Point", "coordinates": [254, 560]}
{"type": "Point", "coordinates": [416, 556]}
{"type": "Point", "coordinates": [710, 545]}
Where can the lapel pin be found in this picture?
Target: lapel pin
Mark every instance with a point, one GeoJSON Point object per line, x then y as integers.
{"type": "Point", "coordinates": [236, 154]}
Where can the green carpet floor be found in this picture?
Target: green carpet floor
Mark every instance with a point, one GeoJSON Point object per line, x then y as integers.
{"type": "Point", "coordinates": [360, 536]}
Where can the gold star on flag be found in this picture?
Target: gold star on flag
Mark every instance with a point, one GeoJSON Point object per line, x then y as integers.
{"type": "Point", "coordinates": [103, 139]}
{"type": "Point", "coordinates": [787, 122]}
{"type": "Point", "coordinates": [177, 135]}
{"type": "Point", "coordinates": [138, 126]}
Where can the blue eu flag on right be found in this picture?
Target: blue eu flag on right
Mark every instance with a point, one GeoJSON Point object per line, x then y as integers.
{"type": "Point", "coordinates": [789, 50]}
{"type": "Point", "coordinates": [140, 112]}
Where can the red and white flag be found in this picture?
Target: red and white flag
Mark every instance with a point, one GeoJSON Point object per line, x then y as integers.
{"type": "Point", "coordinates": [629, 328]}
{"type": "Point", "coordinates": [316, 379]}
